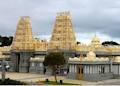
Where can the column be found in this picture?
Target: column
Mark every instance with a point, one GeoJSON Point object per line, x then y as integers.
{"type": "Point", "coordinates": [84, 69]}
{"type": "Point", "coordinates": [93, 67]}
{"type": "Point", "coordinates": [70, 68]}
{"type": "Point", "coordinates": [75, 69]}
{"type": "Point", "coordinates": [90, 70]}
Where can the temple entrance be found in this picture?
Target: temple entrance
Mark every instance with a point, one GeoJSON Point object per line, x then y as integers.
{"type": "Point", "coordinates": [17, 62]}
{"type": "Point", "coordinates": [80, 72]}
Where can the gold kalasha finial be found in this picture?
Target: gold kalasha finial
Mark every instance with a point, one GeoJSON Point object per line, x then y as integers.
{"type": "Point", "coordinates": [66, 13]}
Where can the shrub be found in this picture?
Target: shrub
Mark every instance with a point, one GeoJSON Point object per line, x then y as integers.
{"type": "Point", "coordinates": [11, 82]}
{"type": "Point", "coordinates": [61, 82]}
{"type": "Point", "coordinates": [47, 80]}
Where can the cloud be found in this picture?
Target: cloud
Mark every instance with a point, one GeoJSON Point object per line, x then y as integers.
{"type": "Point", "coordinates": [86, 38]}
{"type": "Point", "coordinates": [88, 16]}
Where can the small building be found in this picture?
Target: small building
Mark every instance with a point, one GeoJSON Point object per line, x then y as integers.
{"type": "Point", "coordinates": [93, 68]}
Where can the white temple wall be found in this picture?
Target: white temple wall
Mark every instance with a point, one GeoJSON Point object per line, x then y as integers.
{"type": "Point", "coordinates": [118, 69]}
{"type": "Point", "coordinates": [94, 69]}
{"type": "Point", "coordinates": [106, 68]}
{"type": "Point", "coordinates": [115, 69]}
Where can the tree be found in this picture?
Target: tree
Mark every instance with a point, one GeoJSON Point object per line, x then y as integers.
{"type": "Point", "coordinates": [78, 42]}
{"type": "Point", "coordinates": [106, 43]}
{"type": "Point", "coordinates": [54, 60]}
{"type": "Point", "coordinates": [5, 41]}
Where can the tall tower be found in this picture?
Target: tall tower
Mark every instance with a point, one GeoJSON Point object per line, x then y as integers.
{"type": "Point", "coordinates": [63, 36]}
{"type": "Point", "coordinates": [22, 46]}
{"type": "Point", "coordinates": [23, 39]}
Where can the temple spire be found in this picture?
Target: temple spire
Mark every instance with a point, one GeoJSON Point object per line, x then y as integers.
{"type": "Point", "coordinates": [23, 39]}
{"type": "Point", "coordinates": [63, 36]}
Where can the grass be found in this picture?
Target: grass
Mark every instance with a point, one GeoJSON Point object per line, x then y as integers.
{"type": "Point", "coordinates": [54, 83]}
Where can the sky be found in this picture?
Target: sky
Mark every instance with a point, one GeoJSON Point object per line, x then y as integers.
{"type": "Point", "coordinates": [89, 17]}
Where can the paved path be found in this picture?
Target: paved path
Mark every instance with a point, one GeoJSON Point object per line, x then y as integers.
{"type": "Point", "coordinates": [28, 77]}
{"type": "Point", "coordinates": [32, 78]}
{"type": "Point", "coordinates": [109, 82]}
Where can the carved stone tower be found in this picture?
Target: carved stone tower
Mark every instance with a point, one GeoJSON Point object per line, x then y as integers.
{"type": "Point", "coordinates": [22, 46]}
{"type": "Point", "coordinates": [23, 39]}
{"type": "Point", "coordinates": [63, 36]}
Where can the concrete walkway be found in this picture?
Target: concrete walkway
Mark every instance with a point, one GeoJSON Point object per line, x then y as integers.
{"type": "Point", "coordinates": [33, 78]}
{"type": "Point", "coordinates": [109, 82]}
{"type": "Point", "coordinates": [27, 77]}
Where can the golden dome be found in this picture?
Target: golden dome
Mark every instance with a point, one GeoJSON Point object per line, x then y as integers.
{"type": "Point", "coordinates": [91, 56]}
{"type": "Point", "coordinates": [95, 40]}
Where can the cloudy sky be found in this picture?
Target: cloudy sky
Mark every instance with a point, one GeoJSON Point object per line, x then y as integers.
{"type": "Point", "coordinates": [89, 17]}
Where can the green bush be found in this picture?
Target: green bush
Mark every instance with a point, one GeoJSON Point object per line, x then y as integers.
{"type": "Point", "coordinates": [47, 80]}
{"type": "Point", "coordinates": [11, 82]}
{"type": "Point", "coordinates": [61, 82]}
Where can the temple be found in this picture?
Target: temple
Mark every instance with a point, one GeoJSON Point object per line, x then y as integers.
{"type": "Point", "coordinates": [91, 62]}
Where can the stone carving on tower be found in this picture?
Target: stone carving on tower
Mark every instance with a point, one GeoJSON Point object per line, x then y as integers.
{"type": "Point", "coordinates": [23, 39]}
{"type": "Point", "coordinates": [22, 46]}
{"type": "Point", "coordinates": [40, 45]}
{"type": "Point", "coordinates": [63, 36]}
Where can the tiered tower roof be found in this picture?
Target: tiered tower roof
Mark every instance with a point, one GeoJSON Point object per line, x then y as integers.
{"type": "Point", "coordinates": [23, 39]}
{"type": "Point", "coordinates": [63, 36]}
